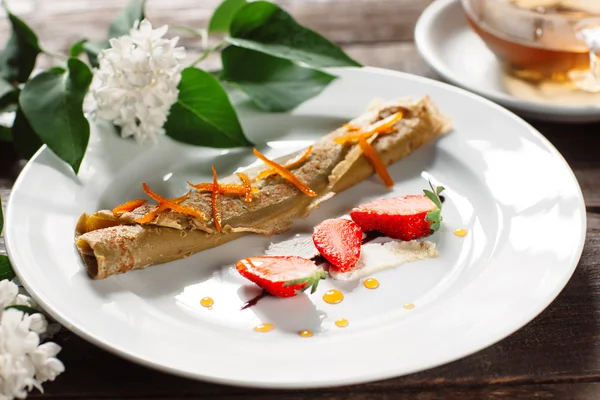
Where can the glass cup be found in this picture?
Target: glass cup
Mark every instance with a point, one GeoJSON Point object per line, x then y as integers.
{"type": "Point", "coordinates": [540, 41]}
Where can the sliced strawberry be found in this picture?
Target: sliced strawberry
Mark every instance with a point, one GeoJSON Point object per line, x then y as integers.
{"type": "Point", "coordinates": [339, 241]}
{"type": "Point", "coordinates": [405, 218]}
{"type": "Point", "coordinates": [282, 276]}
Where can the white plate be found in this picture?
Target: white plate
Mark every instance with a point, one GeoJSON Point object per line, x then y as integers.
{"type": "Point", "coordinates": [458, 54]}
{"type": "Point", "coordinates": [505, 183]}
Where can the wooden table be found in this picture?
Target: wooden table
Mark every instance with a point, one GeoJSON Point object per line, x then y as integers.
{"type": "Point", "coordinates": [555, 356]}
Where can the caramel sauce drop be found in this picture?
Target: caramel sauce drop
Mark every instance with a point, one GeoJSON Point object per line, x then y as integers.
{"type": "Point", "coordinates": [409, 306]}
{"type": "Point", "coordinates": [371, 283]}
{"type": "Point", "coordinates": [264, 328]}
{"type": "Point", "coordinates": [342, 322]}
{"type": "Point", "coordinates": [460, 232]}
{"type": "Point", "coordinates": [306, 334]}
{"type": "Point", "coordinates": [333, 296]}
{"type": "Point", "coordinates": [207, 302]}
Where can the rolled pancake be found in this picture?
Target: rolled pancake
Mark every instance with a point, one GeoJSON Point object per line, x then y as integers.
{"type": "Point", "coordinates": [110, 245]}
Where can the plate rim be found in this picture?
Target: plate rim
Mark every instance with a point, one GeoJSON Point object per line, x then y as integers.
{"type": "Point", "coordinates": [147, 362]}
{"type": "Point", "coordinates": [423, 26]}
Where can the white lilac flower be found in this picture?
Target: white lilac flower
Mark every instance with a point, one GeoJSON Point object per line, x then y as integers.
{"type": "Point", "coordinates": [24, 363]}
{"type": "Point", "coordinates": [47, 366]}
{"type": "Point", "coordinates": [39, 323]}
{"type": "Point", "coordinates": [8, 293]}
{"type": "Point", "coordinates": [136, 82]}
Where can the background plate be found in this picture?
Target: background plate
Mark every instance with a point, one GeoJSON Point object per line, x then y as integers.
{"type": "Point", "coordinates": [505, 183]}
{"type": "Point", "coordinates": [457, 53]}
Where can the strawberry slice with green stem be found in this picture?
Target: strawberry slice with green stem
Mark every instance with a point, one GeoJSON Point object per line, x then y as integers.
{"type": "Point", "coordinates": [282, 276]}
{"type": "Point", "coordinates": [406, 217]}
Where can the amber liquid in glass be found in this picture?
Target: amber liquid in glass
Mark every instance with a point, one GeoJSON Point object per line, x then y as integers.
{"type": "Point", "coordinates": [537, 59]}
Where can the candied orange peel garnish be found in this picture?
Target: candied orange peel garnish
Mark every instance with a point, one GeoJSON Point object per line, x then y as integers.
{"type": "Point", "coordinates": [247, 186]}
{"type": "Point", "coordinates": [227, 188]}
{"type": "Point", "coordinates": [376, 162]}
{"type": "Point", "coordinates": [128, 206]}
{"type": "Point", "coordinates": [216, 201]}
{"type": "Point", "coordinates": [384, 126]}
{"type": "Point", "coordinates": [165, 204]}
{"type": "Point", "coordinates": [149, 217]}
{"type": "Point", "coordinates": [294, 164]}
{"type": "Point", "coordinates": [351, 128]}
{"type": "Point", "coordinates": [287, 175]}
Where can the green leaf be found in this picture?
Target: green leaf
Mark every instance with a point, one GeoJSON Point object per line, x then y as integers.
{"type": "Point", "coordinates": [5, 134]}
{"type": "Point", "coordinates": [273, 84]}
{"type": "Point", "coordinates": [53, 104]}
{"type": "Point", "coordinates": [9, 94]}
{"type": "Point", "coordinates": [203, 114]}
{"type": "Point", "coordinates": [93, 49]}
{"type": "Point", "coordinates": [122, 24]}
{"type": "Point", "coordinates": [221, 18]}
{"type": "Point", "coordinates": [311, 281]}
{"type": "Point", "coordinates": [24, 309]}
{"type": "Point", "coordinates": [25, 140]}
{"type": "Point", "coordinates": [6, 271]}
{"type": "Point", "coordinates": [18, 57]}
{"type": "Point", "coordinates": [264, 27]}
{"type": "Point", "coordinates": [78, 48]}
{"type": "Point", "coordinates": [435, 216]}
{"type": "Point", "coordinates": [433, 197]}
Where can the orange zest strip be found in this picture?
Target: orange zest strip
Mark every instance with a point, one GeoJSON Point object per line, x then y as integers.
{"type": "Point", "coordinates": [226, 188]}
{"type": "Point", "coordinates": [128, 206]}
{"type": "Point", "coordinates": [149, 217]}
{"type": "Point", "coordinates": [286, 174]}
{"type": "Point", "coordinates": [216, 201]}
{"type": "Point", "coordinates": [384, 126]}
{"type": "Point", "coordinates": [351, 128]}
{"type": "Point", "coordinates": [182, 198]}
{"type": "Point", "coordinates": [164, 204]}
{"type": "Point", "coordinates": [247, 186]}
{"type": "Point", "coordinates": [301, 160]}
{"type": "Point", "coordinates": [375, 160]}
{"type": "Point", "coordinates": [268, 172]}
{"type": "Point", "coordinates": [264, 174]}
{"type": "Point", "coordinates": [349, 138]}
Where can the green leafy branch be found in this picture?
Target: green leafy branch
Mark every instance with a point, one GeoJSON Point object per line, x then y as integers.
{"type": "Point", "coordinates": [266, 54]}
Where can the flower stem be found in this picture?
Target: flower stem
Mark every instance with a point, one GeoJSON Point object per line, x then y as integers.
{"type": "Point", "coordinates": [219, 46]}
{"type": "Point", "coordinates": [202, 33]}
{"type": "Point", "coordinates": [55, 55]}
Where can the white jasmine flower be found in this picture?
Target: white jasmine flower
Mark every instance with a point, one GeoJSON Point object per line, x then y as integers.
{"type": "Point", "coordinates": [24, 363]}
{"type": "Point", "coordinates": [136, 82]}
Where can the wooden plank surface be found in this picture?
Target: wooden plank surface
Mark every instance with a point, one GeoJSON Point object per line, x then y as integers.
{"type": "Point", "coordinates": [555, 356]}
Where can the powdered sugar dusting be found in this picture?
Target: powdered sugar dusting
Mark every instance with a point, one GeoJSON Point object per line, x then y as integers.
{"type": "Point", "coordinates": [378, 256]}
{"type": "Point", "coordinates": [302, 246]}
{"type": "Point", "coordinates": [374, 257]}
